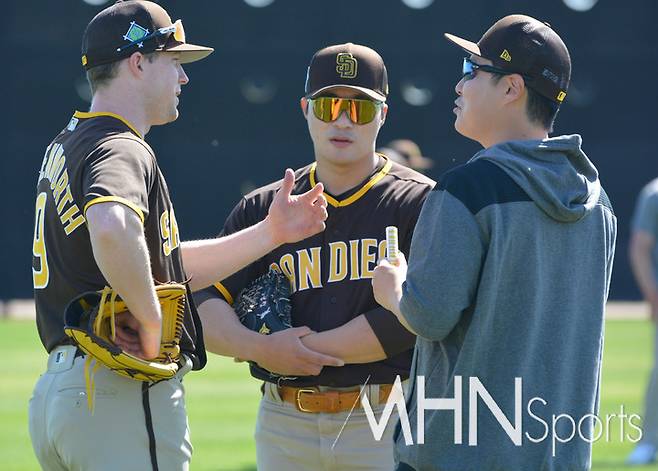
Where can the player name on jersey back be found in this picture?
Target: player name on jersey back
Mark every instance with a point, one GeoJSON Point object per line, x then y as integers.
{"type": "Point", "coordinates": [53, 169]}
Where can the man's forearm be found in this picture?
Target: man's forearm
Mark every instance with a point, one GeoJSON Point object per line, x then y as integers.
{"type": "Point", "coordinates": [640, 257]}
{"type": "Point", "coordinates": [209, 261]}
{"type": "Point", "coordinates": [120, 251]}
{"type": "Point", "coordinates": [224, 334]}
{"type": "Point", "coordinates": [644, 275]}
{"type": "Point", "coordinates": [280, 352]}
{"type": "Point", "coordinates": [354, 342]}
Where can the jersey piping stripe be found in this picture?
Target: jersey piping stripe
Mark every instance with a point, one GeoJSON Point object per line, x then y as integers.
{"type": "Point", "coordinates": [224, 292]}
{"type": "Point", "coordinates": [115, 199]}
{"type": "Point", "coordinates": [146, 403]}
{"type": "Point", "coordinates": [96, 114]}
{"type": "Point", "coordinates": [347, 201]}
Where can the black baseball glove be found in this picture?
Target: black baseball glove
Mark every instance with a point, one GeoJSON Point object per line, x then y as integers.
{"type": "Point", "coordinates": [264, 307]}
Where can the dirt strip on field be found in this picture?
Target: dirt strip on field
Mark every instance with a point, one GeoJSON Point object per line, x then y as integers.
{"type": "Point", "coordinates": [24, 309]}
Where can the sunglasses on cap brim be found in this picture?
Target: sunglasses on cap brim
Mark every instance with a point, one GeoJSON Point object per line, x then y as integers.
{"type": "Point", "coordinates": [359, 111]}
{"type": "Point", "coordinates": [162, 35]}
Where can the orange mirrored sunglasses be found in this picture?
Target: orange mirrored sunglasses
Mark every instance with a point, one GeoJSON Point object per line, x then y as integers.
{"type": "Point", "coordinates": [359, 111]}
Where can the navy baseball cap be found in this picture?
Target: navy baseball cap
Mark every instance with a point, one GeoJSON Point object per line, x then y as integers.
{"type": "Point", "coordinates": [135, 25]}
{"type": "Point", "coordinates": [347, 65]}
{"type": "Point", "coordinates": [521, 44]}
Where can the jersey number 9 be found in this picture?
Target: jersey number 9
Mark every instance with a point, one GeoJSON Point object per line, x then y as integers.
{"type": "Point", "coordinates": [40, 277]}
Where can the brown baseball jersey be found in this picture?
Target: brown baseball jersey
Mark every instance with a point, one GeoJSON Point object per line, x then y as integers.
{"type": "Point", "coordinates": [100, 157]}
{"type": "Point", "coordinates": [331, 272]}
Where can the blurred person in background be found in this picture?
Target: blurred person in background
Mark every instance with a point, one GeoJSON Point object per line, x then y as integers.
{"type": "Point", "coordinates": [407, 153]}
{"type": "Point", "coordinates": [643, 253]}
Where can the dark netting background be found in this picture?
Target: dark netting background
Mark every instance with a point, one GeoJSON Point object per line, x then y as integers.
{"type": "Point", "coordinates": [241, 124]}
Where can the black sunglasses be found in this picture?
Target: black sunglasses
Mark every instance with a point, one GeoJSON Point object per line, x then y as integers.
{"type": "Point", "coordinates": [469, 68]}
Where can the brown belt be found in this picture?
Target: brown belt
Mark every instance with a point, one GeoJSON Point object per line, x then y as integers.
{"type": "Point", "coordinates": [313, 400]}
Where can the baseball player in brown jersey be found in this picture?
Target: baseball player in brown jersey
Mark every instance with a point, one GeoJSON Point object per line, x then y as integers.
{"type": "Point", "coordinates": [306, 423]}
{"type": "Point", "coordinates": [104, 217]}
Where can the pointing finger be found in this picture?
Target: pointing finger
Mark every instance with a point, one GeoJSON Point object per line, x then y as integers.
{"type": "Point", "coordinates": [288, 182]}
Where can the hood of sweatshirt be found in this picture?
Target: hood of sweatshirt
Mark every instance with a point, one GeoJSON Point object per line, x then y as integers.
{"type": "Point", "coordinates": [554, 172]}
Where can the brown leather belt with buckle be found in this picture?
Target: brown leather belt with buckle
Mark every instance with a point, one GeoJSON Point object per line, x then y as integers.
{"type": "Point", "coordinates": [313, 400]}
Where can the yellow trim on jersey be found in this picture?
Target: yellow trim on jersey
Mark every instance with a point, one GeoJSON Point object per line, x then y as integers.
{"type": "Point", "coordinates": [95, 114]}
{"type": "Point", "coordinates": [369, 184]}
{"type": "Point", "coordinates": [115, 199]}
{"type": "Point", "coordinates": [222, 289]}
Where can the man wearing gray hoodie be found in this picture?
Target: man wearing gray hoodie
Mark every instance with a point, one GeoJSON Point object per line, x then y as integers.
{"type": "Point", "coordinates": [508, 275]}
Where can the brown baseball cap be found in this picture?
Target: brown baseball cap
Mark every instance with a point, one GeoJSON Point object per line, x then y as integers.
{"type": "Point", "coordinates": [347, 65]}
{"type": "Point", "coordinates": [135, 25]}
{"type": "Point", "coordinates": [523, 45]}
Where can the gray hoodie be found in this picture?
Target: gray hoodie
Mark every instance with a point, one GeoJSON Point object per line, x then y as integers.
{"type": "Point", "coordinates": [509, 272]}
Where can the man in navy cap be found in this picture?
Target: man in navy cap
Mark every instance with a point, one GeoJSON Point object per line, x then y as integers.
{"type": "Point", "coordinates": [508, 273]}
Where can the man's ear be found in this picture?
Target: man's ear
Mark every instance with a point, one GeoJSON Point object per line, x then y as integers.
{"type": "Point", "coordinates": [515, 87]}
{"type": "Point", "coordinates": [135, 62]}
{"type": "Point", "coordinates": [304, 105]}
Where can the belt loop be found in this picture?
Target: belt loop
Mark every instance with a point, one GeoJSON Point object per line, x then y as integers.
{"type": "Point", "coordinates": [272, 392]}
{"type": "Point", "coordinates": [185, 367]}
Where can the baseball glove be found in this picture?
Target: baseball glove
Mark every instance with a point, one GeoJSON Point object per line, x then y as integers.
{"type": "Point", "coordinates": [264, 307]}
{"type": "Point", "coordinates": [90, 321]}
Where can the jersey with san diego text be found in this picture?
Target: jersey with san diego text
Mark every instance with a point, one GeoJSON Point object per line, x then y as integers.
{"type": "Point", "coordinates": [99, 157]}
{"type": "Point", "coordinates": [331, 272]}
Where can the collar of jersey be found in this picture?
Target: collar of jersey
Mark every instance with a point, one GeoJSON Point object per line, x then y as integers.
{"type": "Point", "coordinates": [96, 114]}
{"type": "Point", "coordinates": [362, 191]}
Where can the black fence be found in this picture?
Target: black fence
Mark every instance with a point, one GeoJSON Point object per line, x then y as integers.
{"type": "Point", "coordinates": [241, 124]}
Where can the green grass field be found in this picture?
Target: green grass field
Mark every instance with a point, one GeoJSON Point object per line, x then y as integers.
{"type": "Point", "coordinates": [222, 399]}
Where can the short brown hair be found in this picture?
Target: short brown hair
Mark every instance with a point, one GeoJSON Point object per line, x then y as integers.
{"type": "Point", "coordinates": [101, 75]}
